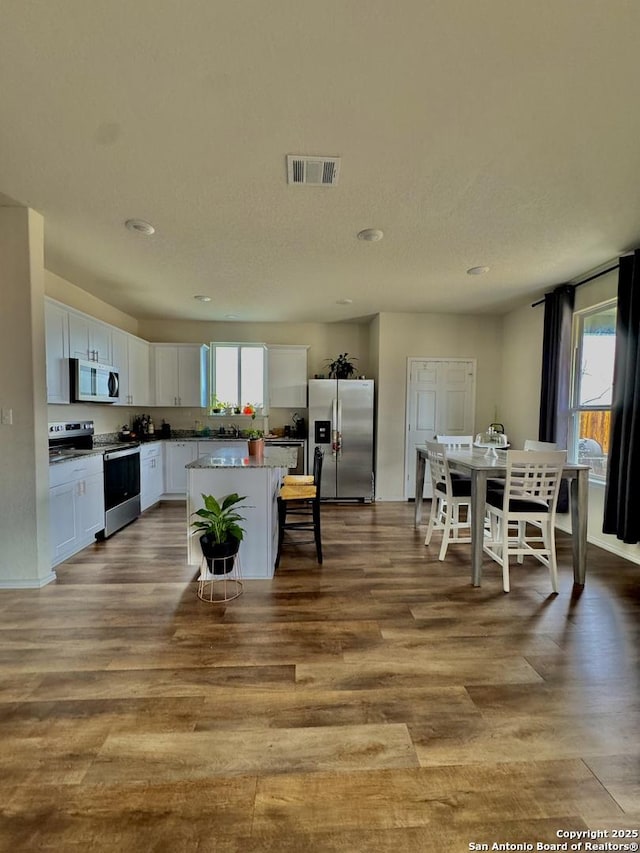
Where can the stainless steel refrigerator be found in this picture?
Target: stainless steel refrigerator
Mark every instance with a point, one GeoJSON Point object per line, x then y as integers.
{"type": "Point", "coordinates": [341, 424]}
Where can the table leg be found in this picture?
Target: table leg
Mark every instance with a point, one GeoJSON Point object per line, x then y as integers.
{"type": "Point", "coordinates": [579, 516]}
{"type": "Point", "coordinates": [421, 466]}
{"type": "Point", "coordinates": [478, 501]}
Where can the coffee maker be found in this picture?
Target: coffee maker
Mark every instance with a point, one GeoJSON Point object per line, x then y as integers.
{"type": "Point", "coordinates": [299, 426]}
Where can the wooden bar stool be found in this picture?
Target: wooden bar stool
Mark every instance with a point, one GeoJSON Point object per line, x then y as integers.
{"type": "Point", "coordinates": [299, 498]}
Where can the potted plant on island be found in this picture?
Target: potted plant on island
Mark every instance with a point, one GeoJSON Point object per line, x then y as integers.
{"type": "Point", "coordinates": [220, 532]}
{"type": "Point", "coordinates": [255, 439]}
{"type": "Point", "coordinates": [341, 367]}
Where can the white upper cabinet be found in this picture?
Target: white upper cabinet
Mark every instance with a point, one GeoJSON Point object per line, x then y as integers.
{"type": "Point", "coordinates": [287, 377]}
{"type": "Point", "coordinates": [180, 374]}
{"type": "Point", "coordinates": [89, 339]}
{"type": "Point", "coordinates": [131, 359]}
{"type": "Point", "coordinates": [139, 372]}
{"type": "Point", "coordinates": [56, 320]}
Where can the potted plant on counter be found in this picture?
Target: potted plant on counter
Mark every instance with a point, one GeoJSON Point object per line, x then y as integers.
{"type": "Point", "coordinates": [217, 406]}
{"type": "Point", "coordinates": [220, 532]}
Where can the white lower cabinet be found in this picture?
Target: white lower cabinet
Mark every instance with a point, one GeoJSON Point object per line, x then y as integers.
{"type": "Point", "coordinates": [76, 505]}
{"type": "Point", "coordinates": [177, 455]}
{"type": "Point", "coordinates": [151, 474]}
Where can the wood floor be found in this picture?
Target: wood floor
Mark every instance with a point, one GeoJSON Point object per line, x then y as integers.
{"type": "Point", "coordinates": [375, 703]}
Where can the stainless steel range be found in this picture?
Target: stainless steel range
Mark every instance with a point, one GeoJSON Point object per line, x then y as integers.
{"type": "Point", "coordinates": [121, 469]}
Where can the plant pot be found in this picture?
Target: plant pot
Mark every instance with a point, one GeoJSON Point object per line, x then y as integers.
{"type": "Point", "coordinates": [219, 555]}
{"type": "Point", "coordinates": [256, 447]}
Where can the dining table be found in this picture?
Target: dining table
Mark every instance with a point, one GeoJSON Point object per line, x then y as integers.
{"type": "Point", "coordinates": [480, 465]}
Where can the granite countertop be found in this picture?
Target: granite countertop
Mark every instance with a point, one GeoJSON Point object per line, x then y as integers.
{"type": "Point", "coordinates": [274, 457]}
{"type": "Point", "coordinates": [176, 436]}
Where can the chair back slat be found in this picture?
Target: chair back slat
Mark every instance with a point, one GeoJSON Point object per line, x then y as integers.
{"type": "Point", "coordinates": [438, 465]}
{"type": "Point", "coordinates": [534, 475]}
{"type": "Point", "coordinates": [455, 441]}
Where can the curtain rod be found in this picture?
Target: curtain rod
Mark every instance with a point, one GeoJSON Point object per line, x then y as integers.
{"type": "Point", "coordinates": [580, 283]}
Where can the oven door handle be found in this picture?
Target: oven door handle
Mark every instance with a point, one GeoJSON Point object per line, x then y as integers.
{"type": "Point", "coordinates": [118, 454]}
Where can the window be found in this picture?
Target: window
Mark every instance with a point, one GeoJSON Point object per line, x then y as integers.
{"type": "Point", "coordinates": [595, 341]}
{"type": "Point", "coordinates": [238, 374]}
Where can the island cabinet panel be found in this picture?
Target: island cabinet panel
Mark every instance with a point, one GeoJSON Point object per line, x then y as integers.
{"type": "Point", "coordinates": [260, 486]}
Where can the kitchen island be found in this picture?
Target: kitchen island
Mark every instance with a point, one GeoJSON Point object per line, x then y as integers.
{"type": "Point", "coordinates": [230, 470]}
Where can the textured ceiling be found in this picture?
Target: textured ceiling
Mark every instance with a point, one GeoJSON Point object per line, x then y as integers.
{"type": "Point", "coordinates": [503, 133]}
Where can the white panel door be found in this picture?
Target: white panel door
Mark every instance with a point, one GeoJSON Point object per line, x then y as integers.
{"type": "Point", "coordinates": [440, 400]}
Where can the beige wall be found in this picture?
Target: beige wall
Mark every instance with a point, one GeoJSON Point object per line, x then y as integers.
{"type": "Point", "coordinates": [24, 472]}
{"type": "Point", "coordinates": [522, 360]}
{"type": "Point", "coordinates": [325, 340]}
{"type": "Point", "coordinates": [71, 295]}
{"type": "Point", "coordinates": [519, 407]}
{"type": "Point", "coordinates": [402, 336]}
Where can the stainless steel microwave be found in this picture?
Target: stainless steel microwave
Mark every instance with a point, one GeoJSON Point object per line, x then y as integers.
{"type": "Point", "coordinates": [92, 382]}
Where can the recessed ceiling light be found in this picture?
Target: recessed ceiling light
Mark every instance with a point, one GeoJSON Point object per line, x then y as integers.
{"type": "Point", "coordinates": [230, 316]}
{"type": "Point", "coordinates": [478, 270]}
{"type": "Point", "coordinates": [370, 235]}
{"type": "Point", "coordinates": [344, 301]}
{"type": "Point", "coordinates": [140, 225]}
{"type": "Point", "coordinates": [201, 298]}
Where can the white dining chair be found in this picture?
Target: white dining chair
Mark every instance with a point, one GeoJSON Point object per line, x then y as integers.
{"type": "Point", "coordinates": [456, 441]}
{"type": "Point", "coordinates": [530, 497]}
{"type": "Point", "coordinates": [531, 444]}
{"type": "Point", "coordinates": [447, 497]}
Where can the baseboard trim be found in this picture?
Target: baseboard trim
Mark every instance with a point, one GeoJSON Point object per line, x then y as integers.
{"type": "Point", "coordinates": [28, 584]}
{"type": "Point", "coordinates": [609, 544]}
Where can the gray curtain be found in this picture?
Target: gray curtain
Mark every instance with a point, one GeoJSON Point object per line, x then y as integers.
{"type": "Point", "coordinates": [622, 495]}
{"type": "Point", "coordinates": [556, 373]}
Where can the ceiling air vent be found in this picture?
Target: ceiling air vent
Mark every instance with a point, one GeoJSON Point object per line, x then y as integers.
{"type": "Point", "coordinates": [313, 171]}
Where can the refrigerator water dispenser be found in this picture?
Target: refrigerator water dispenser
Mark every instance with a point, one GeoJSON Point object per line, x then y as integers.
{"type": "Point", "coordinates": [322, 432]}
